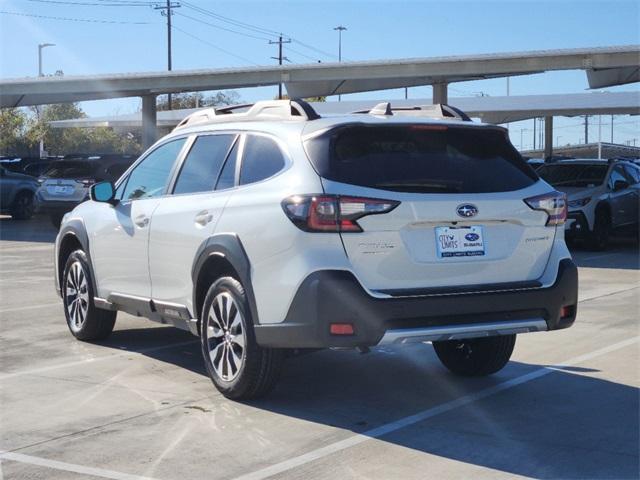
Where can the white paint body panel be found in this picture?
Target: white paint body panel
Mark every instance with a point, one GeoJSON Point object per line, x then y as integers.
{"type": "Point", "coordinates": [394, 251]}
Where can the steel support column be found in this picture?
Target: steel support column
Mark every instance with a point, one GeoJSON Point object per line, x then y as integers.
{"type": "Point", "coordinates": [149, 129]}
{"type": "Point", "coordinates": [548, 137]}
{"type": "Point", "coordinates": [440, 93]}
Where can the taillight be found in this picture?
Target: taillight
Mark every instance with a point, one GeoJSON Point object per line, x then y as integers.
{"type": "Point", "coordinates": [554, 203]}
{"type": "Point", "coordinates": [333, 213]}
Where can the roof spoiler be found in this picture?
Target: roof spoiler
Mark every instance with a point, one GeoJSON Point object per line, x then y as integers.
{"type": "Point", "coordinates": [439, 110]}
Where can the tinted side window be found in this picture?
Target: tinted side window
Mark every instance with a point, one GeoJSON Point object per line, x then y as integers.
{"type": "Point", "coordinates": [617, 175]}
{"type": "Point", "coordinates": [149, 179]}
{"type": "Point", "coordinates": [203, 163]}
{"type": "Point", "coordinates": [228, 175]}
{"type": "Point", "coordinates": [261, 159]}
{"type": "Point", "coordinates": [633, 173]}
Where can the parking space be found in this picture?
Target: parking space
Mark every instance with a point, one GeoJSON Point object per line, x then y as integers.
{"type": "Point", "coordinates": [140, 404]}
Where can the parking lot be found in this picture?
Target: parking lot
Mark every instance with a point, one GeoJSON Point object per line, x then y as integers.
{"type": "Point", "coordinates": [141, 405]}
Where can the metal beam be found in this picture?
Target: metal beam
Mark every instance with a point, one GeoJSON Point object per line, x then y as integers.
{"type": "Point", "coordinates": [149, 114]}
{"type": "Point", "coordinates": [440, 93]}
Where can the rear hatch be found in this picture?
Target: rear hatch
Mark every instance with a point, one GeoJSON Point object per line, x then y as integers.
{"type": "Point", "coordinates": [461, 221]}
{"type": "Point", "coordinates": [68, 180]}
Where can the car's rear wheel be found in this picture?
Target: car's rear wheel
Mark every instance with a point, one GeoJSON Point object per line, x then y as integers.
{"type": "Point", "coordinates": [85, 321]}
{"type": "Point", "coordinates": [599, 238]}
{"type": "Point", "coordinates": [239, 368]}
{"type": "Point", "coordinates": [476, 356]}
{"type": "Point", "coordinates": [22, 208]}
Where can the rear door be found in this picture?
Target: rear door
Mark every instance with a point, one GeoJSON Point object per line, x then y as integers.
{"type": "Point", "coordinates": [623, 201]}
{"type": "Point", "coordinates": [462, 219]}
{"type": "Point", "coordinates": [188, 217]}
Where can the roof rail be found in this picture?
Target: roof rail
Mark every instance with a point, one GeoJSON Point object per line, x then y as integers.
{"type": "Point", "coordinates": [267, 109]}
{"type": "Point", "coordinates": [438, 110]}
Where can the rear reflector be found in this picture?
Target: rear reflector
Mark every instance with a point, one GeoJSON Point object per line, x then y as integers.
{"type": "Point", "coordinates": [554, 203]}
{"type": "Point", "coordinates": [341, 329]}
{"type": "Point", "coordinates": [566, 311]}
{"type": "Point", "coordinates": [333, 213]}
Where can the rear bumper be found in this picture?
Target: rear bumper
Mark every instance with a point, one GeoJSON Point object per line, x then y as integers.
{"type": "Point", "coordinates": [331, 296]}
{"type": "Point", "coordinates": [55, 206]}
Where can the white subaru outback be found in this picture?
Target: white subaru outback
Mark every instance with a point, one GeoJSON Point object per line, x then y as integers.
{"type": "Point", "coordinates": [274, 229]}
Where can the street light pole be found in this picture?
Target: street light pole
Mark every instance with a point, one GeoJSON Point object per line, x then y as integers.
{"type": "Point", "coordinates": [40, 47]}
{"type": "Point", "coordinates": [340, 29]}
{"type": "Point", "coordinates": [41, 74]}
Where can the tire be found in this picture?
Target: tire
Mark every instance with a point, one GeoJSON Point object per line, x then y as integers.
{"type": "Point", "coordinates": [56, 220]}
{"type": "Point", "coordinates": [599, 237]}
{"type": "Point", "coordinates": [22, 208]}
{"type": "Point", "coordinates": [238, 367]}
{"type": "Point", "coordinates": [85, 321]}
{"type": "Point", "coordinates": [476, 357]}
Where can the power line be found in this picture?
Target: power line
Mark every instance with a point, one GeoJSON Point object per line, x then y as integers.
{"type": "Point", "coordinates": [127, 3]}
{"type": "Point", "coordinates": [213, 45]}
{"type": "Point", "coordinates": [75, 19]}
{"type": "Point", "coordinates": [237, 23]}
{"type": "Point", "coordinates": [254, 28]}
{"type": "Point", "coordinates": [222, 28]}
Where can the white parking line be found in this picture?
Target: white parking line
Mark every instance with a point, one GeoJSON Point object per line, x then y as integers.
{"type": "Point", "coordinates": [70, 467]}
{"type": "Point", "coordinates": [31, 307]}
{"type": "Point", "coordinates": [122, 353]}
{"type": "Point", "coordinates": [385, 429]}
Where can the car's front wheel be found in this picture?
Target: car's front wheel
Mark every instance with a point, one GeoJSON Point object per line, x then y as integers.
{"type": "Point", "coordinates": [599, 238]}
{"type": "Point", "coordinates": [476, 356]}
{"type": "Point", "coordinates": [239, 368]}
{"type": "Point", "coordinates": [85, 321]}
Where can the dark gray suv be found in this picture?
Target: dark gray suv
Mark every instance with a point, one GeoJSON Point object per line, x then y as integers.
{"type": "Point", "coordinates": [16, 194]}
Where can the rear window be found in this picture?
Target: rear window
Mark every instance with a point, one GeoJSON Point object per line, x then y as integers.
{"type": "Point", "coordinates": [421, 158]}
{"type": "Point", "coordinates": [67, 169]}
{"type": "Point", "coordinates": [573, 175]}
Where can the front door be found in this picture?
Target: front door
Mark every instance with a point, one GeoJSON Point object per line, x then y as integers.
{"type": "Point", "coordinates": [120, 234]}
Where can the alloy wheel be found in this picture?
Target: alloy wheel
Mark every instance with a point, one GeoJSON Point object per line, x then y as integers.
{"type": "Point", "coordinates": [76, 296]}
{"type": "Point", "coordinates": [225, 337]}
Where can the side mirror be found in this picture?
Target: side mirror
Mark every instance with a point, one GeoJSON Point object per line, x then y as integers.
{"type": "Point", "coordinates": [620, 185]}
{"type": "Point", "coordinates": [102, 192]}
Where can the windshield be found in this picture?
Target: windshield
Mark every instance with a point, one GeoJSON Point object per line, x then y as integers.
{"type": "Point", "coordinates": [573, 175]}
{"type": "Point", "coordinates": [71, 169]}
{"type": "Point", "coordinates": [420, 158]}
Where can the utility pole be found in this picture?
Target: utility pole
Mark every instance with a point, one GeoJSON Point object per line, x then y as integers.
{"type": "Point", "coordinates": [611, 128]}
{"type": "Point", "coordinates": [340, 29]}
{"type": "Point", "coordinates": [280, 58]}
{"type": "Point", "coordinates": [535, 120]}
{"type": "Point", "coordinates": [586, 129]}
{"type": "Point", "coordinates": [167, 11]}
{"type": "Point", "coordinates": [599, 137]}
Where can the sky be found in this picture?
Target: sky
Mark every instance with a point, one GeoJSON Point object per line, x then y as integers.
{"type": "Point", "coordinates": [130, 36]}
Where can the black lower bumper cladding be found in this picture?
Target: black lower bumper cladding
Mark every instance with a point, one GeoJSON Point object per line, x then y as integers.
{"type": "Point", "coordinates": [331, 296]}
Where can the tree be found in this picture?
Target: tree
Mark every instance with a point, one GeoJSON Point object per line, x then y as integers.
{"type": "Point", "coordinates": [62, 141]}
{"type": "Point", "coordinates": [181, 101]}
{"type": "Point", "coordinates": [12, 123]}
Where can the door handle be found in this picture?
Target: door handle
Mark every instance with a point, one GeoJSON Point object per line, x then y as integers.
{"type": "Point", "coordinates": [142, 221]}
{"type": "Point", "coordinates": [203, 217]}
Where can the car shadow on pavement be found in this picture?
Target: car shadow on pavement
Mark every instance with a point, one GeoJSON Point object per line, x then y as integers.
{"type": "Point", "coordinates": [37, 229]}
{"type": "Point", "coordinates": [565, 424]}
{"type": "Point", "coordinates": [623, 253]}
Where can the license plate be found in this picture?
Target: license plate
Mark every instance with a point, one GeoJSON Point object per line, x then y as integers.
{"type": "Point", "coordinates": [60, 190]}
{"type": "Point", "coordinates": [459, 241]}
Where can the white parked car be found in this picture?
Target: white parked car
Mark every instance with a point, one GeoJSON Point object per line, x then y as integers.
{"type": "Point", "coordinates": [603, 197]}
{"type": "Point", "coordinates": [276, 229]}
